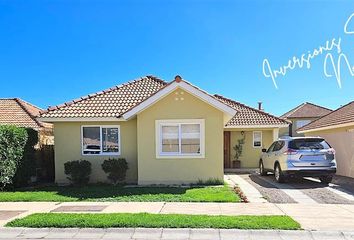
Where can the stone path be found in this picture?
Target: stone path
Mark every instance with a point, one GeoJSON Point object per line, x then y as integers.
{"type": "Point", "coordinates": [168, 233]}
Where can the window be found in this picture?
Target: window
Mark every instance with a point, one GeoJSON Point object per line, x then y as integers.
{"type": "Point", "coordinates": [257, 139]}
{"type": "Point", "coordinates": [100, 140]}
{"type": "Point", "coordinates": [301, 123]}
{"type": "Point", "coordinates": [278, 146]}
{"type": "Point", "coordinates": [180, 138]}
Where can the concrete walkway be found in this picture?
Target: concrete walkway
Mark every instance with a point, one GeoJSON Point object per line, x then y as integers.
{"type": "Point", "coordinates": [336, 217]}
{"type": "Point", "coordinates": [168, 233]}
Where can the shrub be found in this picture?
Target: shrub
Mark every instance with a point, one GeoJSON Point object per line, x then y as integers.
{"type": "Point", "coordinates": [27, 165]}
{"type": "Point", "coordinates": [116, 169]}
{"type": "Point", "coordinates": [79, 171]}
{"type": "Point", "coordinates": [12, 143]}
{"type": "Point", "coordinates": [210, 181]}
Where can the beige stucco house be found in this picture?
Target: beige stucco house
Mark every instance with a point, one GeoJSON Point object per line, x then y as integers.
{"type": "Point", "coordinates": [337, 128]}
{"type": "Point", "coordinates": [300, 116]}
{"type": "Point", "coordinates": [169, 133]}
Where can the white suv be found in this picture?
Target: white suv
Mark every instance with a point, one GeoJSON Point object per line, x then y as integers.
{"type": "Point", "coordinates": [299, 156]}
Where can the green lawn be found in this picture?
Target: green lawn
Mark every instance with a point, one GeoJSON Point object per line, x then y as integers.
{"type": "Point", "coordinates": [107, 193]}
{"type": "Point", "coordinates": [70, 220]}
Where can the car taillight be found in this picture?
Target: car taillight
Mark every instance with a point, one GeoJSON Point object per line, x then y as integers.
{"type": "Point", "coordinates": [290, 152]}
{"type": "Point", "coordinates": [331, 151]}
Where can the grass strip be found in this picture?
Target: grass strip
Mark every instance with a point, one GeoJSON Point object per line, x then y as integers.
{"type": "Point", "coordinates": [147, 220]}
{"type": "Point", "coordinates": [106, 193]}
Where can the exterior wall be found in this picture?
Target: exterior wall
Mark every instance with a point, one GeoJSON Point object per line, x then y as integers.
{"type": "Point", "coordinates": [250, 155]}
{"type": "Point", "coordinates": [152, 170]}
{"type": "Point", "coordinates": [294, 121]}
{"type": "Point", "coordinates": [68, 147]}
{"type": "Point", "coordinates": [342, 140]}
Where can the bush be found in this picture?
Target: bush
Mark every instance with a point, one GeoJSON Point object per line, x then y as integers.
{"type": "Point", "coordinates": [27, 165]}
{"type": "Point", "coordinates": [116, 169]}
{"type": "Point", "coordinates": [12, 143]}
{"type": "Point", "coordinates": [79, 171]}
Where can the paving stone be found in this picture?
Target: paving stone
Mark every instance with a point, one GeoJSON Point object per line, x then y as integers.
{"type": "Point", "coordinates": [9, 233]}
{"type": "Point", "coordinates": [170, 233]}
{"type": "Point", "coordinates": [6, 215]}
{"type": "Point", "coordinates": [327, 235]}
{"type": "Point", "coordinates": [235, 234]}
{"type": "Point", "coordinates": [118, 233]}
{"type": "Point", "coordinates": [91, 233]}
{"type": "Point", "coordinates": [88, 208]}
{"type": "Point", "coordinates": [147, 233]}
{"type": "Point", "coordinates": [204, 234]}
{"type": "Point", "coordinates": [295, 235]}
{"type": "Point", "coordinates": [59, 233]}
{"type": "Point", "coordinates": [34, 233]}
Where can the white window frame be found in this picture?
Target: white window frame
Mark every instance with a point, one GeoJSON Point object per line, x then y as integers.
{"type": "Point", "coordinates": [101, 142]}
{"type": "Point", "coordinates": [173, 122]}
{"type": "Point", "coordinates": [253, 133]}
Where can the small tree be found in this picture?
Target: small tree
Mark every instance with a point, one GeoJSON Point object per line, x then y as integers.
{"type": "Point", "coordinates": [116, 169]}
{"type": "Point", "coordinates": [239, 148]}
{"type": "Point", "coordinates": [12, 142]}
{"type": "Point", "coordinates": [79, 171]}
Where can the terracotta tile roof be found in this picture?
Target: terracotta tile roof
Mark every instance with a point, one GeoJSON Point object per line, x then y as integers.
{"type": "Point", "coordinates": [116, 101]}
{"type": "Point", "coordinates": [342, 115]}
{"type": "Point", "coordinates": [108, 103]}
{"type": "Point", "coordinates": [306, 110]}
{"type": "Point", "coordinates": [14, 111]}
{"type": "Point", "coordinates": [248, 116]}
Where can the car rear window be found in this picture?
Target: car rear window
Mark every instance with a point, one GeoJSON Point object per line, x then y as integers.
{"type": "Point", "coordinates": [308, 143]}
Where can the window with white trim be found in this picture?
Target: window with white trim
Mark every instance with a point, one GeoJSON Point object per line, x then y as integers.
{"type": "Point", "coordinates": [100, 140]}
{"type": "Point", "coordinates": [180, 138]}
{"type": "Point", "coordinates": [257, 139]}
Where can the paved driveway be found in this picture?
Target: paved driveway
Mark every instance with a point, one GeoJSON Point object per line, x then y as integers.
{"type": "Point", "coordinates": [306, 190]}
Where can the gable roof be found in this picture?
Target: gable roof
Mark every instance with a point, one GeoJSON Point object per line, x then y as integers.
{"type": "Point", "coordinates": [15, 111]}
{"type": "Point", "coordinates": [250, 117]}
{"type": "Point", "coordinates": [339, 117]}
{"type": "Point", "coordinates": [179, 83]}
{"type": "Point", "coordinates": [126, 100]}
{"type": "Point", "coordinates": [110, 103]}
{"type": "Point", "coordinates": [306, 110]}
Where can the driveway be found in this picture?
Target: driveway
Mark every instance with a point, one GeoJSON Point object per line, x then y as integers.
{"type": "Point", "coordinates": [305, 190]}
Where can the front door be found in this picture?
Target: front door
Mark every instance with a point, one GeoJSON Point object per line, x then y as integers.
{"type": "Point", "coordinates": [227, 162]}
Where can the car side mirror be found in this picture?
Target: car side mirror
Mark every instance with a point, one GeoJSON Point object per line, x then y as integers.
{"type": "Point", "coordinates": [264, 150]}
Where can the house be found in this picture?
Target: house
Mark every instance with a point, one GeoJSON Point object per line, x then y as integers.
{"type": "Point", "coordinates": [15, 111]}
{"type": "Point", "coordinates": [300, 116]}
{"type": "Point", "coordinates": [337, 128]}
{"type": "Point", "coordinates": [169, 133]}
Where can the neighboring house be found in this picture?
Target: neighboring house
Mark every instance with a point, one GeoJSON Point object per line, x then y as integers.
{"type": "Point", "coordinates": [337, 128]}
{"type": "Point", "coordinates": [300, 116]}
{"type": "Point", "coordinates": [15, 111]}
{"type": "Point", "coordinates": [169, 133]}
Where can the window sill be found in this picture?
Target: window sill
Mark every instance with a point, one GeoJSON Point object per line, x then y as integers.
{"type": "Point", "coordinates": [180, 156]}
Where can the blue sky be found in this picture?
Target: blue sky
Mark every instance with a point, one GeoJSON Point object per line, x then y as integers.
{"type": "Point", "coordinates": [55, 51]}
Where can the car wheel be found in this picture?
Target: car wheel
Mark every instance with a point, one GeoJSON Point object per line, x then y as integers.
{"type": "Point", "coordinates": [278, 174]}
{"type": "Point", "coordinates": [261, 169]}
{"type": "Point", "coordinates": [326, 179]}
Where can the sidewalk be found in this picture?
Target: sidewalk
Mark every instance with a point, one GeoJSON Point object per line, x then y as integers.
{"type": "Point", "coordinates": [168, 233]}
{"type": "Point", "coordinates": [334, 217]}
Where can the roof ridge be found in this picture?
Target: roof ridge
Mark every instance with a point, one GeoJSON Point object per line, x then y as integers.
{"type": "Point", "coordinates": [333, 111]}
{"type": "Point", "coordinates": [107, 90]}
{"type": "Point", "coordinates": [291, 111]}
{"type": "Point", "coordinates": [244, 105]}
{"type": "Point", "coordinates": [20, 103]}
{"type": "Point", "coordinates": [319, 106]}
